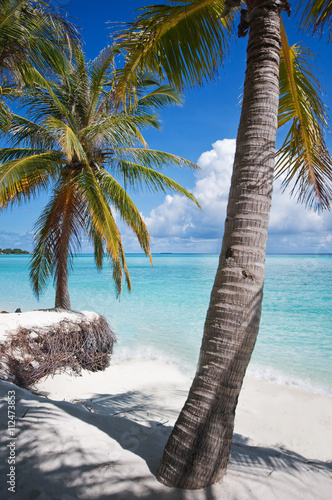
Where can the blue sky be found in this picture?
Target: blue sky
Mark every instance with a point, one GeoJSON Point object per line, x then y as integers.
{"type": "Point", "coordinates": [202, 130]}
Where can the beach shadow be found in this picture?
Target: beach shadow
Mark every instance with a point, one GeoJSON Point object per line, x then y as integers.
{"type": "Point", "coordinates": [60, 467]}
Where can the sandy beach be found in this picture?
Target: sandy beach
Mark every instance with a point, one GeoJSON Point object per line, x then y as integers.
{"type": "Point", "coordinates": [101, 435]}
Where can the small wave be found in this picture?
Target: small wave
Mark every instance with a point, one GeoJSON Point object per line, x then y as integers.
{"type": "Point", "coordinates": [273, 375]}
{"type": "Point", "coordinates": [148, 353]}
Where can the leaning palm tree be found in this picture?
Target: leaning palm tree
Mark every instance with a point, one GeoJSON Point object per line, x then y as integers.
{"type": "Point", "coordinates": [81, 143]}
{"type": "Point", "coordinates": [186, 41]}
{"type": "Point", "coordinates": [34, 41]}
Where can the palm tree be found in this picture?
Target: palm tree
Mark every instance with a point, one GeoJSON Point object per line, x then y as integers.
{"type": "Point", "coordinates": [78, 140]}
{"type": "Point", "coordinates": [34, 41]}
{"type": "Point", "coordinates": [186, 42]}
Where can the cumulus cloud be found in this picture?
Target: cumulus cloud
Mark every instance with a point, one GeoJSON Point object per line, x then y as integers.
{"type": "Point", "coordinates": [179, 217]}
{"type": "Point", "coordinates": [177, 223]}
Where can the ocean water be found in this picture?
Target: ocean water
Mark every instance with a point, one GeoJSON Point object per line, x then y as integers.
{"type": "Point", "coordinates": [163, 317]}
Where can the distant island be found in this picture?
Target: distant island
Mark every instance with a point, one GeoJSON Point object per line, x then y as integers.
{"type": "Point", "coordinates": [10, 251]}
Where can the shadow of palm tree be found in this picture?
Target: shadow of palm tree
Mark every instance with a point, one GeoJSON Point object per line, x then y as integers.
{"type": "Point", "coordinates": [89, 450]}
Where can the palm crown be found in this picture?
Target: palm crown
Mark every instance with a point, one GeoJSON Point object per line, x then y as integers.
{"type": "Point", "coordinates": [186, 41]}
{"type": "Point", "coordinates": [80, 141]}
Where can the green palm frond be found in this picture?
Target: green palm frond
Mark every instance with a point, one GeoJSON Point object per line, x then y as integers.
{"type": "Point", "coordinates": [75, 92]}
{"type": "Point", "coordinates": [6, 92]}
{"type": "Point", "coordinates": [184, 40]}
{"type": "Point", "coordinates": [316, 15]}
{"type": "Point", "coordinates": [139, 176]}
{"type": "Point", "coordinates": [303, 159]}
{"type": "Point", "coordinates": [99, 210]}
{"type": "Point", "coordinates": [30, 32]}
{"type": "Point", "coordinates": [26, 176]}
{"type": "Point", "coordinates": [161, 97]}
{"type": "Point", "coordinates": [119, 265]}
{"type": "Point", "coordinates": [151, 158]}
{"type": "Point", "coordinates": [66, 138]}
{"type": "Point", "coordinates": [42, 99]}
{"type": "Point", "coordinates": [118, 274]}
{"type": "Point", "coordinates": [7, 154]}
{"type": "Point", "coordinates": [103, 230]}
{"type": "Point", "coordinates": [118, 129]}
{"type": "Point", "coordinates": [99, 71]}
{"type": "Point", "coordinates": [126, 270]}
{"type": "Point", "coordinates": [21, 131]}
{"type": "Point", "coordinates": [97, 240]}
{"type": "Point", "coordinates": [9, 8]}
{"type": "Point", "coordinates": [120, 199]}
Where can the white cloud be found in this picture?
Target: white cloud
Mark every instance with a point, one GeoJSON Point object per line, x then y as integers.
{"type": "Point", "coordinates": [177, 223]}
{"type": "Point", "coordinates": [179, 217]}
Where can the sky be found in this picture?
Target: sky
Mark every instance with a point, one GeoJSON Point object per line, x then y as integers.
{"type": "Point", "coordinates": [202, 130]}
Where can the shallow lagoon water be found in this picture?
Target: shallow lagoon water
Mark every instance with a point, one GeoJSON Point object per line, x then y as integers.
{"type": "Point", "coordinates": [163, 316]}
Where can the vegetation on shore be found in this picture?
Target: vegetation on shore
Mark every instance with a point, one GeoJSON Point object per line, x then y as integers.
{"type": "Point", "coordinates": [12, 251]}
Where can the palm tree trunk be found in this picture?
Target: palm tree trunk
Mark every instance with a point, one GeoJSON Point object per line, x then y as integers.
{"type": "Point", "coordinates": [197, 452]}
{"type": "Point", "coordinates": [62, 300]}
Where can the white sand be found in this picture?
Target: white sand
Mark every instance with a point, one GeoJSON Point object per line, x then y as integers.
{"type": "Point", "coordinates": [11, 322]}
{"type": "Point", "coordinates": [101, 436]}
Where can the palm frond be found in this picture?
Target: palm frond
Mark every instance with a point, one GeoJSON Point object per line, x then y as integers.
{"type": "Point", "coordinates": [66, 138]}
{"type": "Point", "coordinates": [117, 196]}
{"type": "Point", "coordinates": [41, 97]}
{"type": "Point", "coordinates": [99, 210]}
{"type": "Point", "coordinates": [31, 32]}
{"type": "Point", "coordinates": [159, 98]}
{"type": "Point", "coordinates": [118, 129]}
{"type": "Point", "coordinates": [5, 113]}
{"type": "Point", "coordinates": [26, 176]}
{"type": "Point", "coordinates": [99, 240]}
{"type": "Point", "coordinates": [119, 265]}
{"type": "Point", "coordinates": [8, 11]}
{"type": "Point", "coordinates": [21, 131]}
{"type": "Point", "coordinates": [184, 40]}
{"type": "Point", "coordinates": [96, 239]}
{"type": "Point", "coordinates": [151, 158]}
{"type": "Point", "coordinates": [139, 176]}
{"type": "Point", "coordinates": [303, 159]}
{"type": "Point", "coordinates": [126, 270]}
{"type": "Point", "coordinates": [316, 15]}
{"type": "Point", "coordinates": [99, 75]}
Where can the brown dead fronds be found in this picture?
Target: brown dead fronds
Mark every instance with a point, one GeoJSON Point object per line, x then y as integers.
{"type": "Point", "coordinates": [31, 354]}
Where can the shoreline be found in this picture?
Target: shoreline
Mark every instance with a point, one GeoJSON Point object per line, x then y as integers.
{"type": "Point", "coordinates": [101, 435]}
{"type": "Point", "coordinates": [10, 322]}
{"type": "Point", "coordinates": [255, 371]}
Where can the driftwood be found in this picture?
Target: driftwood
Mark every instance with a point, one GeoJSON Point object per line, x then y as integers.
{"type": "Point", "coordinates": [32, 353]}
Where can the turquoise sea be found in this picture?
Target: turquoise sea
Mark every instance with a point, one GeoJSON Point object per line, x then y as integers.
{"type": "Point", "coordinates": [163, 316]}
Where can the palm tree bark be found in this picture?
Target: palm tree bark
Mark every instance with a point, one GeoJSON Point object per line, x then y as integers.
{"type": "Point", "coordinates": [197, 452]}
{"type": "Point", "coordinates": [62, 299]}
